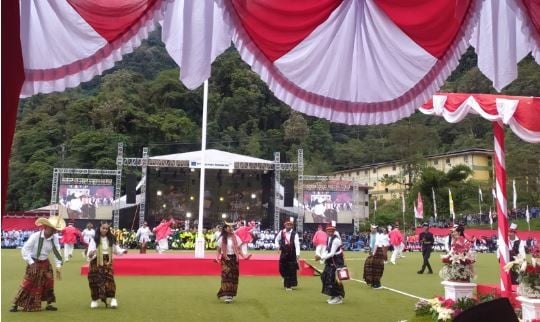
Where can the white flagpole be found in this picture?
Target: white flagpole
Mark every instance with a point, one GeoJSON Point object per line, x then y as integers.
{"type": "Point", "coordinates": [403, 208]}
{"type": "Point", "coordinates": [199, 242]}
{"type": "Point", "coordinates": [515, 195]}
{"type": "Point", "coordinates": [480, 199]}
{"type": "Point", "coordinates": [528, 217]}
{"type": "Point", "coordinates": [490, 219]}
{"type": "Point", "coordinates": [434, 204]}
{"type": "Point", "coordinates": [415, 212]}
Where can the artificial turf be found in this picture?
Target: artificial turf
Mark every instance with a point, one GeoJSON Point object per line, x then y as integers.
{"type": "Point", "coordinates": [172, 298]}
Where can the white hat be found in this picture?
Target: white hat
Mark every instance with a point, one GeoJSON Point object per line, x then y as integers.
{"type": "Point", "coordinates": [513, 226]}
{"type": "Point", "coordinates": [55, 222]}
{"type": "Point", "coordinates": [374, 226]}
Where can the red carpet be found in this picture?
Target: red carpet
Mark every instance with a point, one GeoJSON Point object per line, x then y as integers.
{"type": "Point", "coordinates": [187, 264]}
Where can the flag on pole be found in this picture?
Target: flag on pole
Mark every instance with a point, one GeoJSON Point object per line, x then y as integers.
{"type": "Point", "coordinates": [403, 202]}
{"type": "Point", "coordinates": [493, 193]}
{"type": "Point", "coordinates": [527, 215]}
{"type": "Point", "coordinates": [480, 194]}
{"type": "Point", "coordinates": [451, 205]}
{"type": "Point", "coordinates": [419, 207]}
{"type": "Point", "coordinates": [515, 195]}
{"type": "Point", "coordinates": [434, 203]}
{"type": "Point", "coordinates": [490, 217]}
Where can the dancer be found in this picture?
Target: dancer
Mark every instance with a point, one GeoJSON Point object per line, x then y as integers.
{"type": "Point", "coordinates": [333, 259]}
{"type": "Point", "coordinates": [396, 240]}
{"type": "Point", "coordinates": [374, 264]}
{"type": "Point", "coordinates": [87, 234]}
{"type": "Point", "coordinates": [69, 239]}
{"type": "Point", "coordinates": [38, 282]}
{"type": "Point", "coordinates": [320, 239]}
{"type": "Point", "coordinates": [228, 254]}
{"type": "Point", "coordinates": [244, 233]}
{"type": "Point", "coordinates": [162, 232]}
{"type": "Point", "coordinates": [288, 243]}
{"type": "Point", "coordinates": [143, 237]}
{"type": "Point", "coordinates": [100, 274]}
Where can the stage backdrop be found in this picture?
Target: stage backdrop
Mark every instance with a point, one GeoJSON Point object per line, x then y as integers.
{"type": "Point", "coordinates": [86, 201]}
{"type": "Point", "coordinates": [325, 201]}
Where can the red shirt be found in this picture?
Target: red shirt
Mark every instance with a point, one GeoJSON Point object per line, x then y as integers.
{"type": "Point", "coordinates": [69, 235]}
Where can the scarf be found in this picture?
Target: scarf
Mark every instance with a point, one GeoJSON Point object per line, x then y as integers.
{"type": "Point", "coordinates": [54, 249]}
{"type": "Point", "coordinates": [100, 254]}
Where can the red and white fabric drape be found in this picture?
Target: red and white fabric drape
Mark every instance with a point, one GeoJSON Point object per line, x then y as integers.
{"type": "Point", "coordinates": [522, 114]}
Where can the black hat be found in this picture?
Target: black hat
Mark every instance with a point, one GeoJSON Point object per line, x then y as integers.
{"type": "Point", "coordinates": [425, 224]}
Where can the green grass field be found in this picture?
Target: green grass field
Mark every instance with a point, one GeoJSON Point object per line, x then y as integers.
{"type": "Point", "coordinates": [166, 298]}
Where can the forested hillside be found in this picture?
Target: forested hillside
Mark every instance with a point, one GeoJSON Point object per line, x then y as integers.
{"type": "Point", "coordinates": [142, 103]}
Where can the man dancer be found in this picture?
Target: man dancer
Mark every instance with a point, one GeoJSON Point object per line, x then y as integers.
{"type": "Point", "coordinates": [396, 240]}
{"type": "Point", "coordinates": [320, 239]}
{"type": "Point", "coordinates": [162, 232]}
{"type": "Point", "coordinates": [38, 282]}
{"type": "Point", "coordinates": [426, 241]}
{"type": "Point", "coordinates": [288, 243]}
{"type": "Point", "coordinates": [143, 237]}
{"type": "Point", "coordinates": [516, 247]}
{"type": "Point", "coordinates": [69, 239]}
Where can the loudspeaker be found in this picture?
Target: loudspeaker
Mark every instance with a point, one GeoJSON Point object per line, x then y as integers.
{"type": "Point", "coordinates": [131, 185]}
{"type": "Point", "coordinates": [499, 310]}
{"type": "Point", "coordinates": [288, 195]}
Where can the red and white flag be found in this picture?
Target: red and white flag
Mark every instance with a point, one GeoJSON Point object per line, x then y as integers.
{"type": "Point", "coordinates": [419, 208]}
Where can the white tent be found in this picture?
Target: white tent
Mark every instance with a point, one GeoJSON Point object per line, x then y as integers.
{"type": "Point", "coordinates": [214, 159]}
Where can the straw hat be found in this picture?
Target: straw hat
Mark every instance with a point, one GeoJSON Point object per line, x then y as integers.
{"type": "Point", "coordinates": [55, 222]}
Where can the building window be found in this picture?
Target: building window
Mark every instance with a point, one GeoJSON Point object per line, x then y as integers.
{"type": "Point", "coordinates": [374, 170]}
{"type": "Point", "coordinates": [385, 189]}
{"type": "Point", "coordinates": [366, 172]}
{"type": "Point", "coordinates": [394, 167]}
{"type": "Point", "coordinates": [448, 161]}
{"type": "Point", "coordinates": [357, 173]}
{"type": "Point", "coordinates": [366, 204]}
{"type": "Point", "coordinates": [465, 158]}
{"type": "Point", "coordinates": [435, 162]}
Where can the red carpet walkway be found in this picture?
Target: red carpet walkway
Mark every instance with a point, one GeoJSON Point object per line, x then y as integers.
{"type": "Point", "coordinates": [187, 264]}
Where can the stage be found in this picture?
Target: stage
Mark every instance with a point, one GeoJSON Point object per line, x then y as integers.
{"type": "Point", "coordinates": [187, 264]}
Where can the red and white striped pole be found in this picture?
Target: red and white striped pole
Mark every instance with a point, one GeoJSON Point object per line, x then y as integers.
{"type": "Point", "coordinates": [502, 217]}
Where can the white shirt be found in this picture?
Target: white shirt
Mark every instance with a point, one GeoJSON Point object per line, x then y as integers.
{"type": "Point", "coordinates": [143, 234]}
{"type": "Point", "coordinates": [88, 234]}
{"type": "Point", "coordinates": [230, 245]}
{"type": "Point", "coordinates": [30, 248]}
{"type": "Point", "coordinates": [104, 247]}
{"type": "Point", "coordinates": [381, 240]}
{"type": "Point", "coordinates": [288, 240]}
{"type": "Point", "coordinates": [334, 247]}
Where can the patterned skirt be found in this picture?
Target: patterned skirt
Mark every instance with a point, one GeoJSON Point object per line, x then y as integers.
{"type": "Point", "coordinates": [374, 267]}
{"type": "Point", "coordinates": [229, 277]}
{"type": "Point", "coordinates": [36, 287]}
{"type": "Point", "coordinates": [101, 280]}
{"type": "Point", "coordinates": [331, 285]}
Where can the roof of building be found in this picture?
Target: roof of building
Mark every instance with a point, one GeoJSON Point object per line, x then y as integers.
{"type": "Point", "coordinates": [434, 156]}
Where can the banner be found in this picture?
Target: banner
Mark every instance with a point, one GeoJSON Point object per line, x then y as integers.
{"type": "Point", "coordinates": [451, 205]}
{"type": "Point", "coordinates": [419, 207]}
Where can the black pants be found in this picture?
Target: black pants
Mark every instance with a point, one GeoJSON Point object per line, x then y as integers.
{"type": "Point", "coordinates": [426, 253]}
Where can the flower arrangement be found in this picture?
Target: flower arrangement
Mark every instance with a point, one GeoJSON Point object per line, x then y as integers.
{"type": "Point", "coordinates": [528, 273]}
{"type": "Point", "coordinates": [459, 263]}
{"type": "Point", "coordinates": [442, 309]}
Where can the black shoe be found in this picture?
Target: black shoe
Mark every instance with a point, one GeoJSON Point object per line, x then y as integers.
{"type": "Point", "coordinates": [14, 308]}
{"type": "Point", "coordinates": [420, 272]}
{"type": "Point", "coordinates": [50, 308]}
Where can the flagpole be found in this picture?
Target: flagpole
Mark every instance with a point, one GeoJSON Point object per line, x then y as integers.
{"type": "Point", "coordinates": [479, 201]}
{"type": "Point", "coordinates": [199, 241]}
{"type": "Point", "coordinates": [403, 209]}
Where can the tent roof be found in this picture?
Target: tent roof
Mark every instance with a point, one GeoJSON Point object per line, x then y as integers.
{"type": "Point", "coordinates": [213, 159]}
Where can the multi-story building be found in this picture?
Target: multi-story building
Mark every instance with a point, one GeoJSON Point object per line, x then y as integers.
{"type": "Point", "coordinates": [479, 160]}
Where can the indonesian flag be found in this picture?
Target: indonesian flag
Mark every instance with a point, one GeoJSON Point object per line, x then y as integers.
{"type": "Point", "coordinates": [419, 213]}
{"type": "Point", "coordinates": [451, 205]}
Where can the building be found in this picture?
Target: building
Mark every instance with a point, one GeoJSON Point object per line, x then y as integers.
{"type": "Point", "coordinates": [479, 160]}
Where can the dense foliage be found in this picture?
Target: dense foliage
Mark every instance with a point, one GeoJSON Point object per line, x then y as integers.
{"type": "Point", "coordinates": [142, 103]}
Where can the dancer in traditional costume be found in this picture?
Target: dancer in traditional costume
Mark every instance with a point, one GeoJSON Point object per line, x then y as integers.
{"type": "Point", "coordinates": [288, 243]}
{"type": "Point", "coordinates": [100, 274]}
{"type": "Point", "coordinates": [320, 239]}
{"type": "Point", "coordinates": [69, 239]}
{"type": "Point", "coordinates": [143, 237]}
{"type": "Point", "coordinates": [162, 232]}
{"type": "Point", "coordinates": [244, 233]}
{"type": "Point", "coordinates": [38, 282]}
{"type": "Point", "coordinates": [333, 259]}
{"type": "Point", "coordinates": [228, 254]}
{"type": "Point", "coordinates": [374, 264]}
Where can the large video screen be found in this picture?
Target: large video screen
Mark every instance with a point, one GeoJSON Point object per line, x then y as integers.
{"type": "Point", "coordinates": [325, 202]}
{"type": "Point", "coordinates": [86, 201]}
